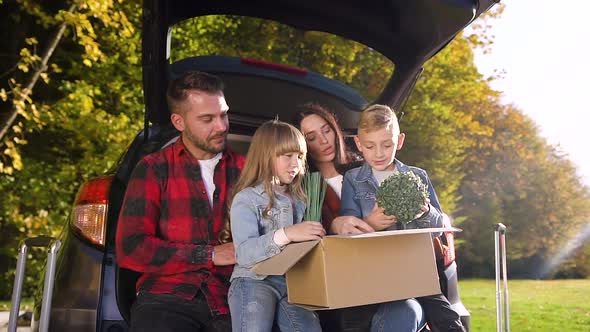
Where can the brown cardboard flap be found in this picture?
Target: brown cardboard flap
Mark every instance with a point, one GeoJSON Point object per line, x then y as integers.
{"type": "Point", "coordinates": [399, 232]}
{"type": "Point", "coordinates": [306, 280]}
{"type": "Point", "coordinates": [281, 263]}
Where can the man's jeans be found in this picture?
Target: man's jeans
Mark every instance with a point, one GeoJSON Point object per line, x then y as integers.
{"type": "Point", "coordinates": [163, 312]}
{"type": "Point", "coordinates": [255, 304]}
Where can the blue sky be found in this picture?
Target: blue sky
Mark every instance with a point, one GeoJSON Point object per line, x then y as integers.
{"type": "Point", "coordinates": [543, 48]}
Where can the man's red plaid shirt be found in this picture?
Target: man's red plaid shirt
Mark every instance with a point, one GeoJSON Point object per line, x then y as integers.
{"type": "Point", "coordinates": [167, 228]}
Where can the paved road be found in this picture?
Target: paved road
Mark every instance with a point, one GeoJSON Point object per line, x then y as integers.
{"type": "Point", "coordinates": [4, 323]}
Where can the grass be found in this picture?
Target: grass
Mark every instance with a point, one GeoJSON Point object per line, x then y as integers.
{"type": "Point", "coordinates": [547, 305]}
{"type": "Point", "coordinates": [535, 305]}
{"type": "Point", "coordinates": [25, 305]}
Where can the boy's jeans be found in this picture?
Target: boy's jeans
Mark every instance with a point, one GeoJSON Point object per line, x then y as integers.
{"type": "Point", "coordinates": [254, 305]}
{"type": "Point", "coordinates": [398, 316]}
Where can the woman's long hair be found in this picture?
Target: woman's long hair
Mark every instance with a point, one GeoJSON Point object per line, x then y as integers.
{"type": "Point", "coordinates": [272, 139]}
{"type": "Point", "coordinates": [342, 158]}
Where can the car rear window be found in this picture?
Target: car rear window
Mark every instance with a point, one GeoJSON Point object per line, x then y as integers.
{"type": "Point", "coordinates": [347, 61]}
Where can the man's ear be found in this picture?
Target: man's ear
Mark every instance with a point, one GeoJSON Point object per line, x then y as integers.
{"type": "Point", "coordinates": [358, 143]}
{"type": "Point", "coordinates": [400, 140]}
{"type": "Point", "coordinates": [177, 121]}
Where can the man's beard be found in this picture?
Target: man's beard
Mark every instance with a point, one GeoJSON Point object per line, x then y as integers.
{"type": "Point", "coordinates": [205, 145]}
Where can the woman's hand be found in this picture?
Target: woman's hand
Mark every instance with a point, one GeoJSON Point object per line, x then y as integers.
{"type": "Point", "coordinates": [379, 220]}
{"type": "Point", "coordinates": [305, 231]}
{"type": "Point", "coordinates": [345, 225]}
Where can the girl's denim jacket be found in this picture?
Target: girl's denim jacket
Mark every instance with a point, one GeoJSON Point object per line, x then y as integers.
{"type": "Point", "coordinates": [360, 186]}
{"type": "Point", "coordinates": [253, 230]}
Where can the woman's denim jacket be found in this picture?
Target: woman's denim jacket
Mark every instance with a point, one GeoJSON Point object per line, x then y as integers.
{"type": "Point", "coordinates": [360, 186]}
{"type": "Point", "coordinates": [253, 230]}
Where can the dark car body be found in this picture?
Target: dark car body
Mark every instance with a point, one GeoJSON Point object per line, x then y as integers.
{"type": "Point", "coordinates": [91, 292]}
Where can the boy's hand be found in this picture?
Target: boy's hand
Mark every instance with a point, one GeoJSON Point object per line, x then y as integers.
{"type": "Point", "coordinates": [425, 208]}
{"type": "Point", "coordinates": [224, 254]}
{"type": "Point", "coordinates": [345, 225]}
{"type": "Point", "coordinates": [305, 231]}
{"type": "Point", "coordinates": [379, 220]}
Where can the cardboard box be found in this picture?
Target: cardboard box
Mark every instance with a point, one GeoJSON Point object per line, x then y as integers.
{"type": "Point", "coordinates": [346, 271]}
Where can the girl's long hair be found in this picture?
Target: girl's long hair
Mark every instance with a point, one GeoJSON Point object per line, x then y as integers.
{"type": "Point", "coordinates": [272, 139]}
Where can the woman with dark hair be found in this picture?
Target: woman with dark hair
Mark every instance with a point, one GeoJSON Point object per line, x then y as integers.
{"type": "Point", "coordinates": [327, 153]}
{"type": "Point", "coordinates": [318, 120]}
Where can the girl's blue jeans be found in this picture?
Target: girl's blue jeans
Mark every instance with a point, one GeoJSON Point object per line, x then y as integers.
{"type": "Point", "coordinates": [255, 304]}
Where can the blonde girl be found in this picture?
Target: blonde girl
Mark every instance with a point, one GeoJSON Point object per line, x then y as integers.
{"type": "Point", "coordinates": [265, 215]}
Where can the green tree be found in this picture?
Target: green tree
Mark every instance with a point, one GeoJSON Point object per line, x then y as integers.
{"type": "Point", "coordinates": [516, 178]}
{"type": "Point", "coordinates": [441, 120]}
{"type": "Point", "coordinates": [332, 56]}
{"type": "Point", "coordinates": [85, 106]}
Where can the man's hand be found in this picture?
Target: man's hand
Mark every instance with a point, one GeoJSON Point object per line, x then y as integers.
{"type": "Point", "coordinates": [305, 231]}
{"type": "Point", "coordinates": [224, 254]}
{"type": "Point", "coordinates": [379, 220]}
{"type": "Point", "coordinates": [345, 225]}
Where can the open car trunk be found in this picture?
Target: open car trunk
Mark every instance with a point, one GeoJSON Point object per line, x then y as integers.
{"type": "Point", "coordinates": [408, 32]}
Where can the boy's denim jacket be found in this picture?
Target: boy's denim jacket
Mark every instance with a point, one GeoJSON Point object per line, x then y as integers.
{"type": "Point", "coordinates": [360, 186]}
{"type": "Point", "coordinates": [253, 230]}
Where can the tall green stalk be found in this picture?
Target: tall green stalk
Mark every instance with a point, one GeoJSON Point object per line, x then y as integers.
{"type": "Point", "coordinates": [315, 189]}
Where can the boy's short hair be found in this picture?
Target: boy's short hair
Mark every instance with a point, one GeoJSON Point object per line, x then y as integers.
{"type": "Point", "coordinates": [377, 117]}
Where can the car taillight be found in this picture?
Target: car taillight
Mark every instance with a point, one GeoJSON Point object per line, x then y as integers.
{"type": "Point", "coordinates": [89, 215]}
{"type": "Point", "coordinates": [449, 255]}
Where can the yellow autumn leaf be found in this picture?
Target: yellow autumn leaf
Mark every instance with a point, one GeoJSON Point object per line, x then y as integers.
{"type": "Point", "coordinates": [55, 68]}
{"type": "Point", "coordinates": [44, 77]}
{"type": "Point", "coordinates": [31, 41]}
{"type": "Point", "coordinates": [23, 67]}
{"type": "Point", "coordinates": [87, 62]}
{"type": "Point", "coordinates": [24, 52]}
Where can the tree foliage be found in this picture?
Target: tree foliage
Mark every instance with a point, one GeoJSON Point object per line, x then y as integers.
{"type": "Point", "coordinates": [333, 56]}
{"type": "Point", "coordinates": [516, 178]}
{"type": "Point", "coordinates": [75, 124]}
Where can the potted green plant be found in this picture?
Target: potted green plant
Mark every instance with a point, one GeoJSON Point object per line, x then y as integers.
{"type": "Point", "coordinates": [402, 195]}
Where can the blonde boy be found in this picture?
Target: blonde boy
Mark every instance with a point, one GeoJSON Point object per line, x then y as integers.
{"type": "Point", "coordinates": [378, 139]}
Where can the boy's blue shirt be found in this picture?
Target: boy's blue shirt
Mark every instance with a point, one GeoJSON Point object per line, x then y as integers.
{"type": "Point", "coordinates": [253, 230]}
{"type": "Point", "coordinates": [359, 190]}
